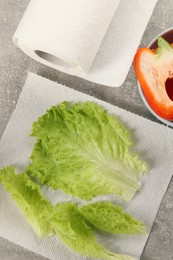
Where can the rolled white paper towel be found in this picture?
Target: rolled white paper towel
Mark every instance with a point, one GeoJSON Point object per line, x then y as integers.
{"type": "Point", "coordinates": [65, 34]}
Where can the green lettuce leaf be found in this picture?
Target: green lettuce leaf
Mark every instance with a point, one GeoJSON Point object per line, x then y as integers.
{"type": "Point", "coordinates": [29, 199]}
{"type": "Point", "coordinates": [83, 150]}
{"type": "Point", "coordinates": [63, 219]}
{"type": "Point", "coordinates": [111, 218]}
{"type": "Point", "coordinates": [71, 227]}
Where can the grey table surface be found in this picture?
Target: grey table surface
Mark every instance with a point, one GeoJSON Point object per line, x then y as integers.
{"type": "Point", "coordinates": [13, 70]}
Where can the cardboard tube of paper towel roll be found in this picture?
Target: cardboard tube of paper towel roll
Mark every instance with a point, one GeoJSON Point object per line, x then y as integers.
{"type": "Point", "coordinates": [65, 34]}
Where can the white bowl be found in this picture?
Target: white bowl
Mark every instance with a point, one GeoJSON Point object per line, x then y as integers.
{"type": "Point", "coordinates": [167, 35]}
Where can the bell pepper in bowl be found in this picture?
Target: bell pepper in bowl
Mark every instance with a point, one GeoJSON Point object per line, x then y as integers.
{"type": "Point", "coordinates": [154, 70]}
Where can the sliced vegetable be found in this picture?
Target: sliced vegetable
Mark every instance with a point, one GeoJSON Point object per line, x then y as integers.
{"type": "Point", "coordinates": [85, 151]}
{"type": "Point", "coordinates": [111, 218]}
{"type": "Point", "coordinates": [71, 227]}
{"type": "Point", "coordinates": [154, 69]}
{"type": "Point", "coordinates": [29, 199]}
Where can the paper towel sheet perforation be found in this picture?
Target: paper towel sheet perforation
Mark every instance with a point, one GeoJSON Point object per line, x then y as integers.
{"type": "Point", "coordinates": [97, 40]}
{"type": "Point", "coordinates": [152, 139]}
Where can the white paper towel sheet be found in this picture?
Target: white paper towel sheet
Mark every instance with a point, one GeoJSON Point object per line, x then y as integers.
{"type": "Point", "coordinates": [66, 35]}
{"type": "Point", "coordinates": [152, 141]}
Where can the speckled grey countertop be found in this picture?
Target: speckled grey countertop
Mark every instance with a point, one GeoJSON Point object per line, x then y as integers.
{"type": "Point", "coordinates": [13, 70]}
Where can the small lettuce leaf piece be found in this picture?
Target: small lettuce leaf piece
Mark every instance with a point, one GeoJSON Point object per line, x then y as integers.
{"type": "Point", "coordinates": [63, 219]}
{"type": "Point", "coordinates": [29, 199]}
{"type": "Point", "coordinates": [112, 218]}
{"type": "Point", "coordinates": [84, 151]}
{"type": "Point", "coordinates": [70, 226]}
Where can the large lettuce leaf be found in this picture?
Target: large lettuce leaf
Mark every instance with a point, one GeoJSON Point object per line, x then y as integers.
{"type": "Point", "coordinates": [112, 218]}
{"type": "Point", "coordinates": [29, 199]}
{"type": "Point", "coordinates": [72, 229]}
{"type": "Point", "coordinates": [83, 150]}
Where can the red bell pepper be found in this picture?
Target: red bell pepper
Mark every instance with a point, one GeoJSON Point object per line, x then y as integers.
{"type": "Point", "coordinates": [154, 71]}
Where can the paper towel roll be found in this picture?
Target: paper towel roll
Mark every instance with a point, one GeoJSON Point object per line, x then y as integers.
{"type": "Point", "coordinates": [65, 34]}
